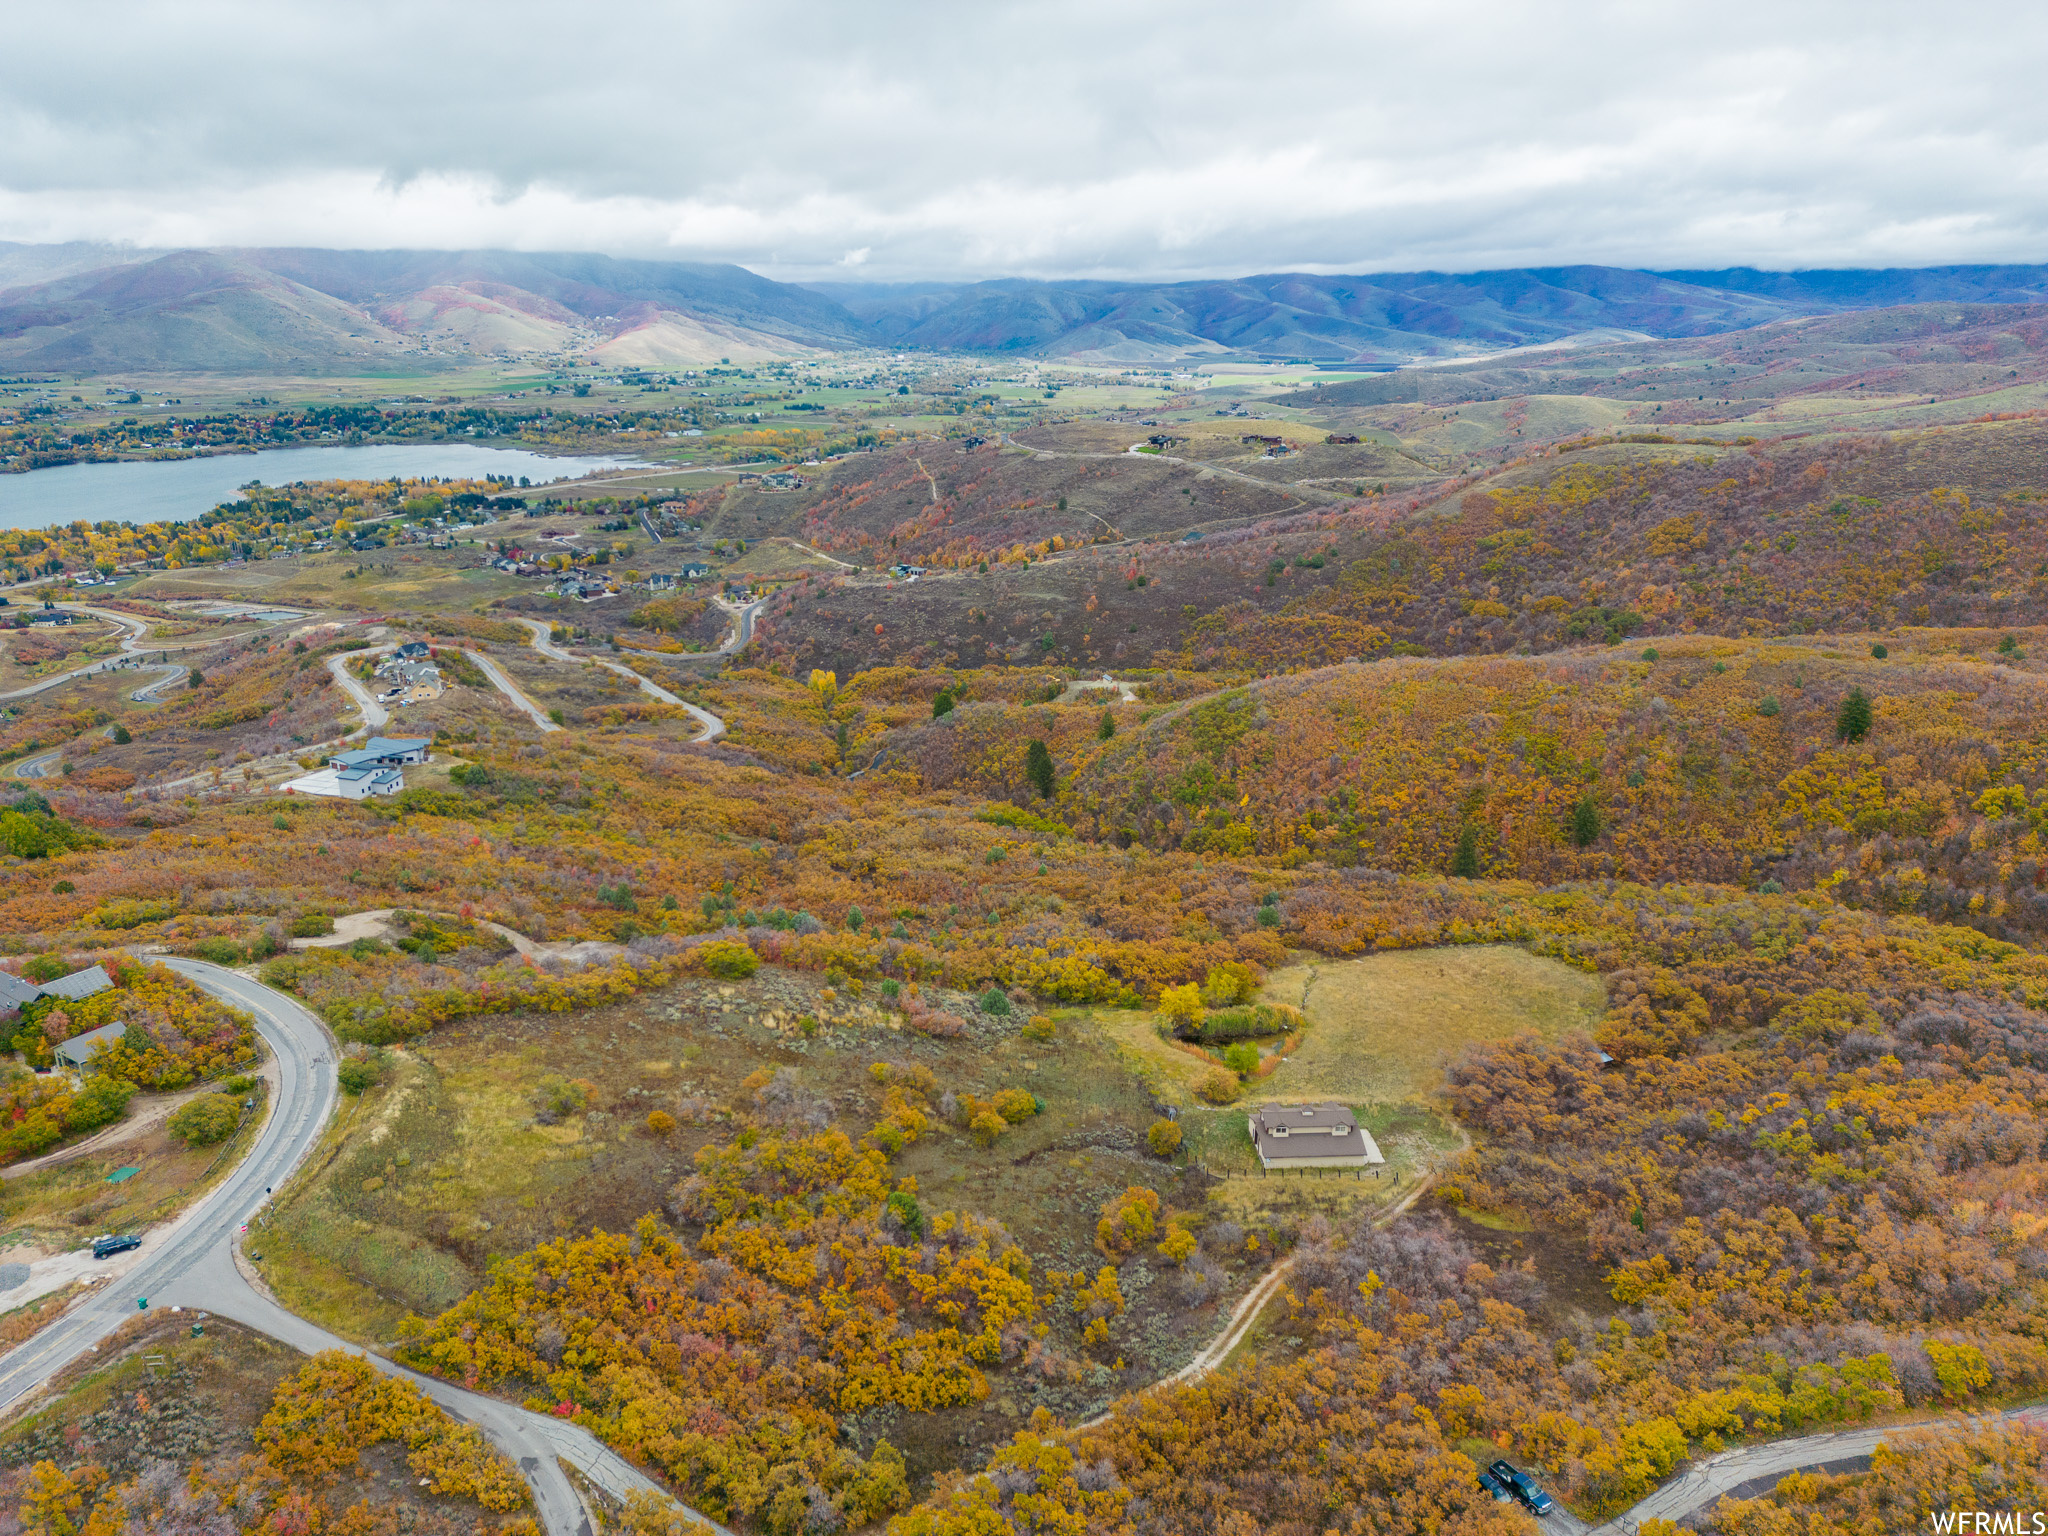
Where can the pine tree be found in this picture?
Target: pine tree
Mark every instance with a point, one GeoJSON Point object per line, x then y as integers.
{"type": "Point", "coordinates": [1465, 862]}
{"type": "Point", "coordinates": [1585, 822]}
{"type": "Point", "coordinates": [1038, 768]}
{"type": "Point", "coordinates": [1852, 721]}
{"type": "Point", "coordinates": [1106, 727]}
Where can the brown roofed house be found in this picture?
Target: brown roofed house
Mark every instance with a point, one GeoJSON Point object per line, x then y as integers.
{"type": "Point", "coordinates": [1311, 1136]}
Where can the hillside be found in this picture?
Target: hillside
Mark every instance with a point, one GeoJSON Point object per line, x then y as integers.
{"type": "Point", "coordinates": [1612, 542]}
{"type": "Point", "coordinates": [1388, 317]}
{"type": "Point", "coordinates": [313, 311]}
{"type": "Point", "coordinates": [1703, 760]}
{"type": "Point", "coordinates": [89, 308]}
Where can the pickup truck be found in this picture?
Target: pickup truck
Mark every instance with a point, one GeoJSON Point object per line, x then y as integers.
{"type": "Point", "coordinates": [1523, 1487]}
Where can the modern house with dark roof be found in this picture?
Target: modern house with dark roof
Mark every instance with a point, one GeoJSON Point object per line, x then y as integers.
{"type": "Point", "coordinates": [18, 992]}
{"type": "Point", "coordinates": [79, 985]}
{"type": "Point", "coordinates": [76, 1053]}
{"type": "Point", "coordinates": [384, 752]}
{"type": "Point", "coordinates": [1311, 1136]}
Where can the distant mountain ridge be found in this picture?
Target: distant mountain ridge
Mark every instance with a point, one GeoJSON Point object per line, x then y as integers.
{"type": "Point", "coordinates": [105, 309]}
{"type": "Point", "coordinates": [1390, 317]}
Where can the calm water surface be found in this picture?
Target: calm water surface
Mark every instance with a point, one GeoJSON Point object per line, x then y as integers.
{"type": "Point", "coordinates": [173, 490]}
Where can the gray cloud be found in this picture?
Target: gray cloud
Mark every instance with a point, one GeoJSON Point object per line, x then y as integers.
{"type": "Point", "coordinates": [1048, 139]}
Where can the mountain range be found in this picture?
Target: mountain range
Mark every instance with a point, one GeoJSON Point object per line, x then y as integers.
{"type": "Point", "coordinates": [100, 309]}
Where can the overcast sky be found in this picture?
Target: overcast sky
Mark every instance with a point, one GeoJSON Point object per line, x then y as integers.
{"type": "Point", "coordinates": [901, 141]}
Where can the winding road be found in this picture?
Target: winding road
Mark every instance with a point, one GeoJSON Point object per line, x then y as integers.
{"type": "Point", "coordinates": [193, 1263]}
{"type": "Point", "coordinates": [131, 644]}
{"type": "Point", "coordinates": [373, 713]}
{"type": "Point", "coordinates": [543, 642]}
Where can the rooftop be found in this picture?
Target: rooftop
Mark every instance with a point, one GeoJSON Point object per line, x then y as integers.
{"type": "Point", "coordinates": [79, 1048]}
{"type": "Point", "coordinates": [79, 984]}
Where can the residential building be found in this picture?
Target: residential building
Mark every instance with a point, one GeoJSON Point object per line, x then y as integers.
{"type": "Point", "coordinates": [79, 985]}
{"type": "Point", "coordinates": [1311, 1136]}
{"type": "Point", "coordinates": [76, 1053]}
{"type": "Point", "coordinates": [384, 752]}
{"type": "Point", "coordinates": [348, 783]}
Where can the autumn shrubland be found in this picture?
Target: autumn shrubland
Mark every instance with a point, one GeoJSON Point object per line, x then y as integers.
{"type": "Point", "coordinates": [230, 1430]}
{"type": "Point", "coordinates": [1612, 542]}
{"type": "Point", "coordinates": [1661, 881]}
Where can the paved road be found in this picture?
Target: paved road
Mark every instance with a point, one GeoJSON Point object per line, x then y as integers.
{"type": "Point", "coordinates": [743, 626]}
{"type": "Point", "coordinates": [131, 643]}
{"type": "Point", "coordinates": [171, 673]}
{"type": "Point", "coordinates": [170, 1256]}
{"type": "Point", "coordinates": [512, 690]}
{"type": "Point", "coordinates": [192, 1264]}
{"type": "Point", "coordinates": [1712, 1479]}
{"type": "Point", "coordinates": [544, 644]}
{"type": "Point", "coordinates": [373, 713]}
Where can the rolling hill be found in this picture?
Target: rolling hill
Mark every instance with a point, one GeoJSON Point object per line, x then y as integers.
{"type": "Point", "coordinates": [319, 311]}
{"type": "Point", "coordinates": [98, 308]}
{"type": "Point", "coordinates": [1390, 317]}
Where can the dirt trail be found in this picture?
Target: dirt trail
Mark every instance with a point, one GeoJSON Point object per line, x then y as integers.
{"type": "Point", "coordinates": [143, 1116]}
{"type": "Point", "coordinates": [1246, 1312]}
{"type": "Point", "coordinates": [375, 923]}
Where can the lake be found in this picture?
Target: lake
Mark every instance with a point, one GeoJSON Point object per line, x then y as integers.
{"type": "Point", "coordinates": [173, 490]}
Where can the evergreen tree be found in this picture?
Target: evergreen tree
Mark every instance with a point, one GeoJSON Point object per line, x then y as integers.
{"type": "Point", "coordinates": [1585, 822]}
{"type": "Point", "coordinates": [1106, 727]}
{"type": "Point", "coordinates": [1852, 721]}
{"type": "Point", "coordinates": [942, 705]}
{"type": "Point", "coordinates": [1038, 768]}
{"type": "Point", "coordinates": [1465, 862]}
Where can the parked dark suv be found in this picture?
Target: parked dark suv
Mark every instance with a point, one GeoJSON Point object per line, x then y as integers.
{"type": "Point", "coordinates": [1493, 1486]}
{"type": "Point", "coordinates": [1523, 1487]}
{"type": "Point", "coordinates": [107, 1247]}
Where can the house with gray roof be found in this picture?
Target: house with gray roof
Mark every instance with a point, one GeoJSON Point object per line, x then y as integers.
{"type": "Point", "coordinates": [1311, 1136]}
{"type": "Point", "coordinates": [76, 1053]}
{"type": "Point", "coordinates": [384, 752]}
{"type": "Point", "coordinates": [79, 985]}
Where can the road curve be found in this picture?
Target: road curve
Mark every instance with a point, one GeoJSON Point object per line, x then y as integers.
{"type": "Point", "coordinates": [138, 629]}
{"type": "Point", "coordinates": [191, 1263]}
{"type": "Point", "coordinates": [543, 643]}
{"type": "Point", "coordinates": [171, 1255]}
{"type": "Point", "coordinates": [1714, 1478]}
{"type": "Point", "coordinates": [373, 713]}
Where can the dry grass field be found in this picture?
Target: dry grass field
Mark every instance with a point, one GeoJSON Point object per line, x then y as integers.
{"type": "Point", "coordinates": [1382, 1027]}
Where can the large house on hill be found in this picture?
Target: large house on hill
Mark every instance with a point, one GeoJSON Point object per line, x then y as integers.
{"type": "Point", "coordinates": [384, 752]}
